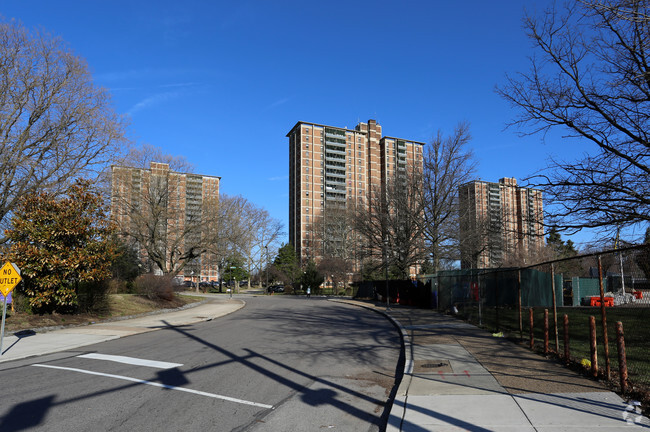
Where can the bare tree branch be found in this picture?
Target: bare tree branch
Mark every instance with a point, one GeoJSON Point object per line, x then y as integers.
{"type": "Point", "coordinates": [592, 81]}
{"type": "Point", "coordinates": [55, 125]}
{"type": "Point", "coordinates": [447, 164]}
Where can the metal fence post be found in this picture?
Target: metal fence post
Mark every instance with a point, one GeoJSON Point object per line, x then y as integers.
{"type": "Point", "coordinates": [603, 315]}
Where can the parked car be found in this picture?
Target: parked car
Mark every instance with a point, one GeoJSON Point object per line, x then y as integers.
{"type": "Point", "coordinates": [275, 289]}
{"type": "Point", "coordinates": [205, 284]}
{"type": "Point", "coordinates": [189, 284]}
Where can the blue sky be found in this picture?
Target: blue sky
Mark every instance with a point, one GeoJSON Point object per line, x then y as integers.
{"type": "Point", "coordinates": [222, 82]}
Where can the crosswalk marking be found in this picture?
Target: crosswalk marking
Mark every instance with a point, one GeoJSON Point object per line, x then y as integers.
{"type": "Point", "coordinates": [155, 384]}
{"type": "Point", "coordinates": [131, 360]}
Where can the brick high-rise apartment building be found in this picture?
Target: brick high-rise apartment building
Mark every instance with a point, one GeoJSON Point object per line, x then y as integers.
{"type": "Point", "coordinates": [182, 196]}
{"type": "Point", "coordinates": [498, 220]}
{"type": "Point", "coordinates": [332, 169]}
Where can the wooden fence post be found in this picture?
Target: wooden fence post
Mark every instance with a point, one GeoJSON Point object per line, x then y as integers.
{"type": "Point", "coordinates": [545, 331]}
{"type": "Point", "coordinates": [531, 322]}
{"type": "Point", "coordinates": [521, 327]}
{"type": "Point", "coordinates": [567, 350]}
{"type": "Point", "coordinates": [622, 360]}
{"type": "Point", "coordinates": [592, 346]}
{"type": "Point", "coordinates": [557, 339]}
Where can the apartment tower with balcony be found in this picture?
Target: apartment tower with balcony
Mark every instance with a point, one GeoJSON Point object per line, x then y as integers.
{"type": "Point", "coordinates": [333, 169]}
{"type": "Point", "coordinates": [499, 221]}
{"type": "Point", "coordinates": [182, 197]}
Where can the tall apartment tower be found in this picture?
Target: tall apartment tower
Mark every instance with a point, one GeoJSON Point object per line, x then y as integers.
{"type": "Point", "coordinates": [498, 220]}
{"type": "Point", "coordinates": [182, 195]}
{"type": "Point", "coordinates": [332, 169]}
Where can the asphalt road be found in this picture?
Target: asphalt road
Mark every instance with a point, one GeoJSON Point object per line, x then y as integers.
{"type": "Point", "coordinates": [279, 364]}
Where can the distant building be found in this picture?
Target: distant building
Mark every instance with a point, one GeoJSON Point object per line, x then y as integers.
{"type": "Point", "coordinates": [182, 197]}
{"type": "Point", "coordinates": [332, 169]}
{"type": "Point", "coordinates": [497, 219]}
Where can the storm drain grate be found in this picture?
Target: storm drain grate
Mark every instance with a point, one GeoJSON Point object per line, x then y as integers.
{"type": "Point", "coordinates": [433, 365]}
{"type": "Point", "coordinates": [429, 366]}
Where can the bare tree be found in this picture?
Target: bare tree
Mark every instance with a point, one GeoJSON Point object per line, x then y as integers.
{"type": "Point", "coordinates": [391, 226]}
{"type": "Point", "coordinates": [448, 163]}
{"type": "Point", "coordinates": [55, 125]}
{"type": "Point", "coordinates": [145, 153]}
{"type": "Point", "coordinates": [160, 220]}
{"type": "Point", "coordinates": [337, 270]}
{"type": "Point", "coordinates": [260, 237]}
{"type": "Point", "coordinates": [333, 234]}
{"type": "Point", "coordinates": [591, 81]}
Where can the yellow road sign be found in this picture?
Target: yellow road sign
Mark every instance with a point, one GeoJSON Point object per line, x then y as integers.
{"type": "Point", "coordinates": [9, 278]}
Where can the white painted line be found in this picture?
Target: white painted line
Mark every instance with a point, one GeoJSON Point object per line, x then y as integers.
{"type": "Point", "coordinates": [155, 384]}
{"type": "Point", "coordinates": [131, 360]}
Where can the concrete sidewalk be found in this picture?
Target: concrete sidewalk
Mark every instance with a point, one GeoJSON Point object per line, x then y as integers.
{"type": "Point", "coordinates": [16, 347]}
{"type": "Point", "coordinates": [458, 377]}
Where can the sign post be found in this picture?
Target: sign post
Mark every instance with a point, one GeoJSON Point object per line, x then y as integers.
{"type": "Point", "coordinates": [9, 278]}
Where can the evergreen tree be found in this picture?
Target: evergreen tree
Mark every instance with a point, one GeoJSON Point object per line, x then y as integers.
{"type": "Point", "coordinates": [312, 278]}
{"type": "Point", "coordinates": [286, 263]}
{"type": "Point", "coordinates": [59, 244]}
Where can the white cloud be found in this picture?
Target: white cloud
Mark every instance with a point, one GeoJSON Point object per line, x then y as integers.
{"type": "Point", "coordinates": [277, 103]}
{"type": "Point", "coordinates": [152, 101]}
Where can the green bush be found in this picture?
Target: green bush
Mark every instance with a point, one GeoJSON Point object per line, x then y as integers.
{"type": "Point", "coordinates": [21, 302]}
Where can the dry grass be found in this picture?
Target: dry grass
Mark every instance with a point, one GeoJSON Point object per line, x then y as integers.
{"type": "Point", "coordinates": [119, 305]}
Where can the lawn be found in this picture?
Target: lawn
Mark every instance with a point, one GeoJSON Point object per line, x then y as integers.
{"type": "Point", "coordinates": [635, 324]}
{"type": "Point", "coordinates": [119, 305]}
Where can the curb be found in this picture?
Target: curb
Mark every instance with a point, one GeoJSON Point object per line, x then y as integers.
{"type": "Point", "coordinates": [105, 338]}
{"type": "Point", "coordinates": [402, 384]}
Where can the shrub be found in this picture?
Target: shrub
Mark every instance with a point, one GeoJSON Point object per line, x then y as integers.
{"type": "Point", "coordinates": [155, 287]}
{"type": "Point", "coordinates": [21, 302]}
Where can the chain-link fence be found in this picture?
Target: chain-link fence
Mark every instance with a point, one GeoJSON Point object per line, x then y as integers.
{"type": "Point", "coordinates": [611, 286]}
